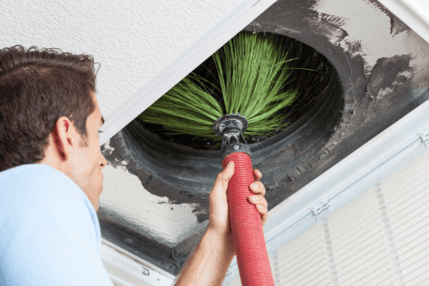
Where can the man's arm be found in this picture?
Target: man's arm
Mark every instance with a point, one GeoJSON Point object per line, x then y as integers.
{"type": "Point", "coordinates": [210, 260]}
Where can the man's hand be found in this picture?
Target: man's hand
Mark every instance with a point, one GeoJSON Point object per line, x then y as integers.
{"type": "Point", "coordinates": [219, 217]}
{"type": "Point", "coordinates": [213, 255]}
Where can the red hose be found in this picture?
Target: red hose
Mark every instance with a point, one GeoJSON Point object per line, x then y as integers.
{"type": "Point", "coordinates": [249, 241]}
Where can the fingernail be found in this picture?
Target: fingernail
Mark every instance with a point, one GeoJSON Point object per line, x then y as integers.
{"type": "Point", "coordinates": [254, 186]}
{"type": "Point", "coordinates": [254, 198]}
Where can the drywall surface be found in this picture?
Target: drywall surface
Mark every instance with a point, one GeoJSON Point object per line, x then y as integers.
{"type": "Point", "coordinates": [381, 238]}
{"type": "Point", "coordinates": [132, 40]}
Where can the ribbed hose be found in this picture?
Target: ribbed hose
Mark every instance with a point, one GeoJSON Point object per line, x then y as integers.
{"type": "Point", "coordinates": [249, 241]}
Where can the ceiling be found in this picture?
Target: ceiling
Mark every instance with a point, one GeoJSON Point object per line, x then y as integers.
{"type": "Point", "coordinates": [132, 40]}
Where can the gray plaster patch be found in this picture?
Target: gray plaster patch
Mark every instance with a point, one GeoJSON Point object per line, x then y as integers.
{"type": "Point", "coordinates": [388, 75]}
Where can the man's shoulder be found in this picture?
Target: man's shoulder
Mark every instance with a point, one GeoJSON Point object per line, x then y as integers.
{"type": "Point", "coordinates": [33, 183]}
{"type": "Point", "coordinates": [38, 190]}
{"type": "Point", "coordinates": [32, 175]}
{"type": "Point", "coordinates": [50, 230]}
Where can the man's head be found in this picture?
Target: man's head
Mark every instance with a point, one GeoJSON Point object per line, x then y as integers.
{"type": "Point", "coordinates": [49, 114]}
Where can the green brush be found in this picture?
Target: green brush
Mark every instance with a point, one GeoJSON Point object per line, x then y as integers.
{"type": "Point", "coordinates": [252, 73]}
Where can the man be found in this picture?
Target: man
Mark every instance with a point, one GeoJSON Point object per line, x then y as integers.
{"type": "Point", "coordinates": [51, 179]}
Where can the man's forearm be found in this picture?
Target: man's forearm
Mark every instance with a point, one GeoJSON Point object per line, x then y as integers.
{"type": "Point", "coordinates": [209, 262]}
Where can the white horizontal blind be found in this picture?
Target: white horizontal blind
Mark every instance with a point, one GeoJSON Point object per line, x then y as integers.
{"type": "Point", "coordinates": [305, 260]}
{"type": "Point", "coordinates": [406, 195]}
{"type": "Point", "coordinates": [381, 238]}
{"type": "Point", "coordinates": [302, 262]}
{"type": "Point", "coordinates": [360, 244]}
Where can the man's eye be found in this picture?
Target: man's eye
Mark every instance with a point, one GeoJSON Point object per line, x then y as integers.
{"type": "Point", "coordinates": [100, 131]}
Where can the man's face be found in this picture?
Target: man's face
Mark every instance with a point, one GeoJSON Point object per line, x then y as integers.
{"type": "Point", "coordinates": [87, 165]}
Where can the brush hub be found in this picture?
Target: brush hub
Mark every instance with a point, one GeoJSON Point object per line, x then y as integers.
{"type": "Point", "coordinates": [231, 128]}
{"type": "Point", "coordinates": [230, 123]}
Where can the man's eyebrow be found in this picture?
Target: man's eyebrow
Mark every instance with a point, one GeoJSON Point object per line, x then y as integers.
{"type": "Point", "coordinates": [102, 121]}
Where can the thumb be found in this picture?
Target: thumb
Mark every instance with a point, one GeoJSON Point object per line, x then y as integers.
{"type": "Point", "coordinates": [224, 177]}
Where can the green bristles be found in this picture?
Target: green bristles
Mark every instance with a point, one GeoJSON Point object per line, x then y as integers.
{"type": "Point", "coordinates": [187, 108]}
{"type": "Point", "coordinates": [252, 74]}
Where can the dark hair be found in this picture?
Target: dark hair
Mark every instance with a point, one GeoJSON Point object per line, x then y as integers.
{"type": "Point", "coordinates": [37, 87]}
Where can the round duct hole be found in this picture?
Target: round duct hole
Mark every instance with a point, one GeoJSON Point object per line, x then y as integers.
{"type": "Point", "coordinates": [309, 81]}
{"type": "Point", "coordinates": [183, 168]}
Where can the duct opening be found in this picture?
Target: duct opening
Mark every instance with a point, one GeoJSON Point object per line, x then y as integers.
{"type": "Point", "coordinates": [187, 168]}
{"type": "Point", "coordinates": [311, 73]}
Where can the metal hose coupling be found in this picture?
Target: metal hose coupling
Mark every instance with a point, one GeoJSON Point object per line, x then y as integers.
{"type": "Point", "coordinates": [230, 128]}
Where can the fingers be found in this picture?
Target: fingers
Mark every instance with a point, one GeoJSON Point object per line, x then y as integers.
{"type": "Point", "coordinates": [258, 200]}
{"type": "Point", "coordinates": [261, 206]}
{"type": "Point", "coordinates": [264, 213]}
{"type": "Point", "coordinates": [258, 188]}
{"type": "Point", "coordinates": [257, 175]}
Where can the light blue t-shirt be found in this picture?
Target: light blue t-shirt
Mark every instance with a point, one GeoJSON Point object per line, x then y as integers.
{"type": "Point", "coordinates": [49, 230]}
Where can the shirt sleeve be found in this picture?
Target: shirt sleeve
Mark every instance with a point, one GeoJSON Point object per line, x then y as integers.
{"type": "Point", "coordinates": [47, 235]}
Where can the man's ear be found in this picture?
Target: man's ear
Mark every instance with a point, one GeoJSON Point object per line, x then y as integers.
{"type": "Point", "coordinates": [64, 136]}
